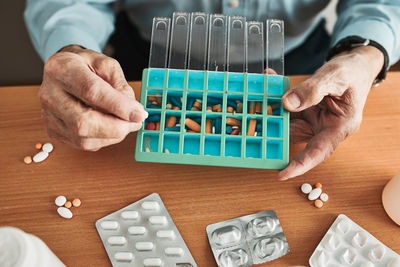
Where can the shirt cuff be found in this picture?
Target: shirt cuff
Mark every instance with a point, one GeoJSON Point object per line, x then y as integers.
{"type": "Point", "coordinates": [371, 29]}
{"type": "Point", "coordinates": [67, 35]}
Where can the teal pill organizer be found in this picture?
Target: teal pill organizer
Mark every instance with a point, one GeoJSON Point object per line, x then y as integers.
{"type": "Point", "coordinates": [175, 93]}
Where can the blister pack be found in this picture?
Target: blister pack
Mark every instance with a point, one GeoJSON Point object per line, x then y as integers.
{"type": "Point", "coordinates": [347, 244]}
{"type": "Point", "coordinates": [247, 240]}
{"type": "Point", "coordinates": [143, 234]}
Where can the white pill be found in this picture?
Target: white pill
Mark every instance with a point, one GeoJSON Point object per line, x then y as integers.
{"type": "Point", "coordinates": [165, 234]}
{"type": "Point", "coordinates": [109, 225]}
{"type": "Point", "coordinates": [150, 205]}
{"type": "Point", "coordinates": [116, 240]}
{"type": "Point", "coordinates": [137, 230]}
{"type": "Point", "coordinates": [123, 256]}
{"type": "Point", "coordinates": [130, 215]}
{"type": "Point", "coordinates": [306, 188]}
{"type": "Point", "coordinates": [152, 262]}
{"type": "Point", "coordinates": [173, 252]}
{"type": "Point", "coordinates": [39, 157]}
{"type": "Point", "coordinates": [144, 246]}
{"type": "Point", "coordinates": [314, 194]}
{"type": "Point", "coordinates": [158, 220]}
{"type": "Point", "coordinates": [64, 212]}
{"type": "Point", "coordinates": [47, 147]}
{"type": "Point", "coordinates": [395, 262]}
{"type": "Point", "coordinates": [60, 201]}
{"type": "Point", "coordinates": [324, 197]}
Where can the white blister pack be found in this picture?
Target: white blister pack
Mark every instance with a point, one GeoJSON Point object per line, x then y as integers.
{"type": "Point", "coordinates": [143, 234]}
{"type": "Point", "coordinates": [347, 244]}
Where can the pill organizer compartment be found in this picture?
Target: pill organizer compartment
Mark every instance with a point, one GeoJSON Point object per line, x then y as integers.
{"type": "Point", "coordinates": [227, 143]}
{"type": "Point", "coordinates": [347, 244]}
{"type": "Point", "coordinates": [154, 99]}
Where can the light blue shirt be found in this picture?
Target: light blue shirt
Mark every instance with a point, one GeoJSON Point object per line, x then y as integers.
{"type": "Point", "coordinates": [53, 24]}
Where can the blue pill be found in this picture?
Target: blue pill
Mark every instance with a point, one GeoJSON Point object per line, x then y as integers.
{"type": "Point", "coordinates": [218, 125]}
{"type": "Point", "coordinates": [176, 101]}
{"type": "Point", "coordinates": [259, 126]}
{"type": "Point", "coordinates": [153, 106]}
{"type": "Point", "coordinates": [173, 129]}
{"type": "Point", "coordinates": [153, 118]}
{"type": "Point", "coordinates": [228, 129]}
{"type": "Point", "coordinates": [259, 133]}
{"type": "Point", "coordinates": [190, 102]}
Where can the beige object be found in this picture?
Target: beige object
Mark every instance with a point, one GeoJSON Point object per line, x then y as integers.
{"type": "Point", "coordinates": [391, 198]}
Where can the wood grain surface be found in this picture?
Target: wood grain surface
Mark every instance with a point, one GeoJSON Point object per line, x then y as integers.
{"type": "Point", "coordinates": [195, 196]}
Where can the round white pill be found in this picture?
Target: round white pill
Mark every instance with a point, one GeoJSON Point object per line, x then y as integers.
{"type": "Point", "coordinates": [324, 197]}
{"type": "Point", "coordinates": [48, 147]}
{"type": "Point", "coordinates": [39, 157]}
{"type": "Point", "coordinates": [314, 194]}
{"type": "Point", "coordinates": [306, 188]}
{"type": "Point", "coordinates": [60, 201]}
{"type": "Point", "coordinates": [64, 212]}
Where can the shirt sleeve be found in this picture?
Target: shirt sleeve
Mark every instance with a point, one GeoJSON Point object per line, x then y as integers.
{"type": "Point", "coordinates": [375, 20]}
{"type": "Point", "coordinates": [53, 24]}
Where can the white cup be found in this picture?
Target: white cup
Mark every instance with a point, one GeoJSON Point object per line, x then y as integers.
{"type": "Point", "coordinates": [20, 249]}
{"type": "Point", "coordinates": [391, 198]}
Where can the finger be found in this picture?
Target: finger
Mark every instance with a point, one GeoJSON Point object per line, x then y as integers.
{"type": "Point", "coordinates": [77, 79]}
{"type": "Point", "coordinates": [319, 149]}
{"type": "Point", "coordinates": [313, 90]}
{"type": "Point", "coordinates": [84, 121]}
{"type": "Point", "coordinates": [270, 71]}
{"type": "Point", "coordinates": [300, 131]}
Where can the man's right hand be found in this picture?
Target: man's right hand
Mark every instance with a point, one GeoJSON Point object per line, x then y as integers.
{"type": "Point", "coordinates": [86, 101]}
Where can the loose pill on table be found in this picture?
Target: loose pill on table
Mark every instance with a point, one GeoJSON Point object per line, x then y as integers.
{"type": "Point", "coordinates": [48, 147]}
{"type": "Point", "coordinates": [64, 212]}
{"type": "Point", "coordinates": [144, 246]}
{"type": "Point", "coordinates": [68, 204]}
{"type": "Point", "coordinates": [28, 159]}
{"type": "Point", "coordinates": [314, 194]}
{"type": "Point", "coordinates": [60, 201]}
{"type": "Point", "coordinates": [153, 262]}
{"type": "Point", "coordinates": [150, 205]}
{"type": "Point", "coordinates": [38, 146]}
{"type": "Point", "coordinates": [76, 202]}
{"type": "Point", "coordinates": [109, 225]}
{"type": "Point", "coordinates": [39, 157]}
{"type": "Point", "coordinates": [318, 203]}
{"type": "Point", "coordinates": [318, 185]}
{"type": "Point", "coordinates": [306, 188]}
{"type": "Point", "coordinates": [324, 197]}
{"type": "Point", "coordinates": [192, 125]}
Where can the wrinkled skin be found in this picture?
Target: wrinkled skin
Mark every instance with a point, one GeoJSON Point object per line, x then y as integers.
{"type": "Point", "coordinates": [86, 101]}
{"type": "Point", "coordinates": [329, 105]}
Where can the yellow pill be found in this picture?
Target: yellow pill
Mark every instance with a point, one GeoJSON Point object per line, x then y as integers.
{"type": "Point", "coordinates": [68, 204]}
{"type": "Point", "coordinates": [38, 146]}
{"type": "Point", "coordinates": [76, 202]}
{"type": "Point", "coordinates": [318, 203]}
{"type": "Point", "coordinates": [28, 159]}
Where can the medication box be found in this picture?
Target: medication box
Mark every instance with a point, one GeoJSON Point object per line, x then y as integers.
{"type": "Point", "coordinates": [214, 118]}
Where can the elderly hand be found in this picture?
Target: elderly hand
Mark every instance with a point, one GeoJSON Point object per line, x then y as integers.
{"type": "Point", "coordinates": [327, 107]}
{"type": "Point", "coordinates": [86, 101]}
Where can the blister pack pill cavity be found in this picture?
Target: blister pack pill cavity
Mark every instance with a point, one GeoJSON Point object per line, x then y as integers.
{"type": "Point", "coordinates": [347, 244]}
{"type": "Point", "coordinates": [247, 240]}
{"type": "Point", "coordinates": [143, 234]}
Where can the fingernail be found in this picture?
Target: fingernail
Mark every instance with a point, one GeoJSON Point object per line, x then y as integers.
{"type": "Point", "coordinates": [146, 114]}
{"type": "Point", "coordinates": [293, 100]}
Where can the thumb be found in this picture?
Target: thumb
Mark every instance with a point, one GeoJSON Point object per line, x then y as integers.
{"type": "Point", "coordinates": [312, 91]}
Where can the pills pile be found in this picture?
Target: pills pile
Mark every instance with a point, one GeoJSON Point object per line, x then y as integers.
{"type": "Point", "coordinates": [40, 156]}
{"type": "Point", "coordinates": [64, 206]}
{"type": "Point", "coordinates": [315, 194]}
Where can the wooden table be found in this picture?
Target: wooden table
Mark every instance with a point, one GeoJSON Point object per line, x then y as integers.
{"type": "Point", "coordinates": [195, 196]}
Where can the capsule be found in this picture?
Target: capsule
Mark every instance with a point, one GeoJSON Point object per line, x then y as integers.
{"type": "Point", "coordinates": [191, 124]}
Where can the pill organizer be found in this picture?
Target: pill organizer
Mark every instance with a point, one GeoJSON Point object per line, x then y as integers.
{"type": "Point", "coordinates": [347, 244]}
{"type": "Point", "coordinates": [267, 149]}
{"type": "Point", "coordinates": [247, 240]}
{"type": "Point", "coordinates": [143, 234]}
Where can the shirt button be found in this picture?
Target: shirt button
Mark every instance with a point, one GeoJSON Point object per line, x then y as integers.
{"type": "Point", "coordinates": [234, 3]}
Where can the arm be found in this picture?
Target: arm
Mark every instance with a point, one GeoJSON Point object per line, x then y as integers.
{"type": "Point", "coordinates": [327, 107]}
{"type": "Point", "coordinates": [54, 24]}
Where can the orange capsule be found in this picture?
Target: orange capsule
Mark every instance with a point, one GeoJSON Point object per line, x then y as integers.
{"type": "Point", "coordinates": [38, 146]}
{"type": "Point", "coordinates": [152, 98]}
{"type": "Point", "coordinates": [192, 125]}
{"type": "Point", "coordinates": [229, 109]}
{"type": "Point", "coordinates": [171, 122]}
{"type": "Point", "coordinates": [252, 127]}
{"type": "Point", "coordinates": [216, 107]}
{"type": "Point", "coordinates": [233, 122]}
{"type": "Point", "coordinates": [219, 110]}
{"type": "Point", "coordinates": [252, 107]}
{"type": "Point", "coordinates": [68, 204]}
{"type": "Point", "coordinates": [28, 160]}
{"type": "Point", "coordinates": [208, 125]}
{"type": "Point", "coordinates": [318, 185]}
{"type": "Point", "coordinates": [176, 108]}
{"type": "Point", "coordinates": [269, 110]}
{"type": "Point", "coordinates": [194, 109]}
{"type": "Point", "coordinates": [258, 108]}
{"type": "Point", "coordinates": [318, 203]}
{"type": "Point", "coordinates": [157, 125]}
{"type": "Point", "coordinates": [76, 202]}
{"type": "Point", "coordinates": [197, 105]}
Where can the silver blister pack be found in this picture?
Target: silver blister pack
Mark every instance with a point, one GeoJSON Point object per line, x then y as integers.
{"type": "Point", "coordinates": [247, 240]}
{"type": "Point", "coordinates": [143, 234]}
{"type": "Point", "coordinates": [347, 244]}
